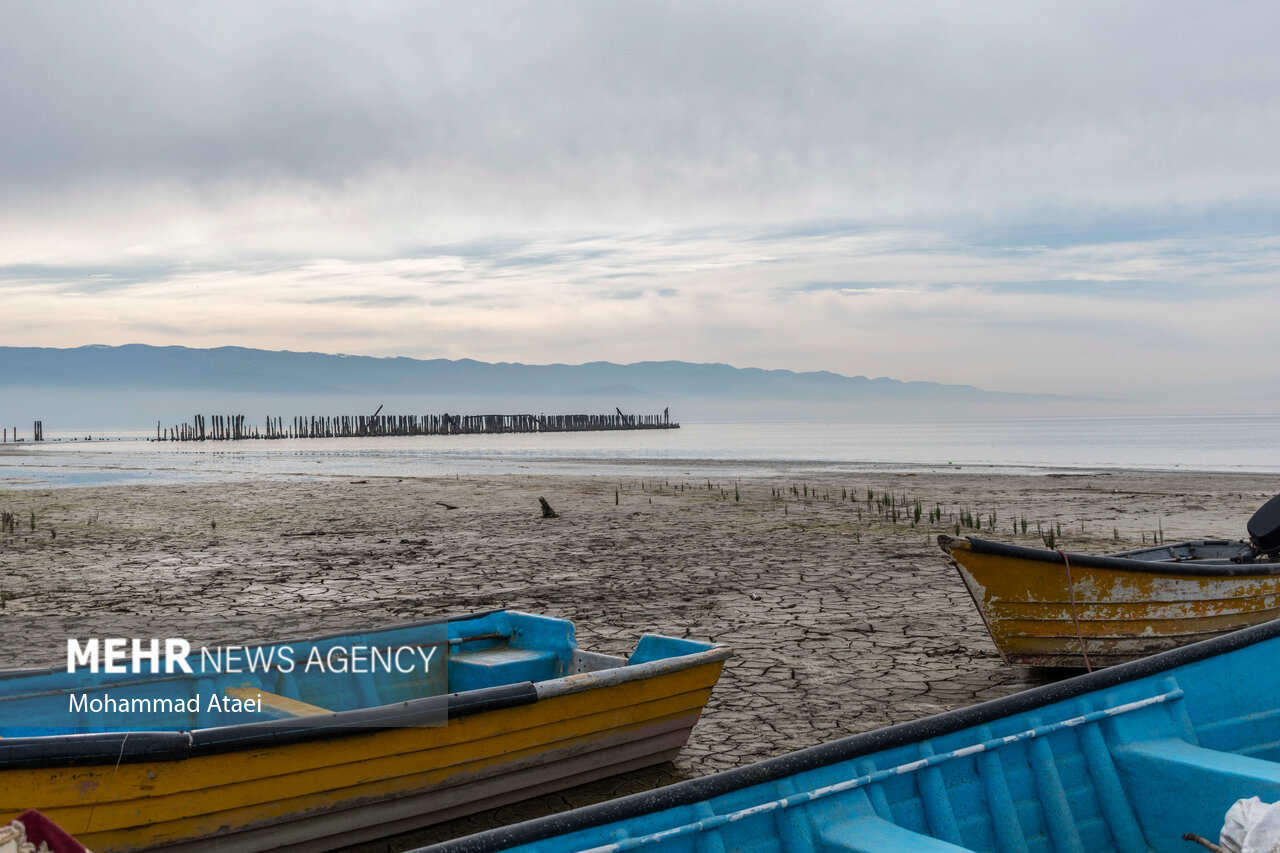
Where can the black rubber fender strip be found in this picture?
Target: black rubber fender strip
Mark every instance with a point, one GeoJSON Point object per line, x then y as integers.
{"type": "Point", "coordinates": [1190, 568]}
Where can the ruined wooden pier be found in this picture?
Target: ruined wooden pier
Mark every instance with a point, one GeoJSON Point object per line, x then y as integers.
{"type": "Point", "coordinates": [37, 434]}
{"type": "Point", "coordinates": [237, 427]}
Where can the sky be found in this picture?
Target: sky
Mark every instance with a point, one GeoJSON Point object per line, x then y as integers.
{"type": "Point", "coordinates": [1074, 198]}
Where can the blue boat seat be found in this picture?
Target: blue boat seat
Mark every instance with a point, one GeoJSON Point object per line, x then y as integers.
{"type": "Point", "coordinates": [870, 834]}
{"type": "Point", "coordinates": [1178, 786]}
{"type": "Point", "coordinates": [493, 667]}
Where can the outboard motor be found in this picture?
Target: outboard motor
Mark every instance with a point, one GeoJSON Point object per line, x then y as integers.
{"type": "Point", "coordinates": [1264, 528]}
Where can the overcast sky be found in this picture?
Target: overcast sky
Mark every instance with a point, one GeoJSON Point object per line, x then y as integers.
{"type": "Point", "coordinates": [1078, 198]}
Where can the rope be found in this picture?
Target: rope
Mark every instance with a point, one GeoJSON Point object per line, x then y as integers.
{"type": "Point", "coordinates": [1075, 619]}
{"type": "Point", "coordinates": [120, 757]}
{"type": "Point", "coordinates": [1205, 843]}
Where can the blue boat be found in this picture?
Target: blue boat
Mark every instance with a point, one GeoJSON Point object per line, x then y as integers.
{"type": "Point", "coordinates": [255, 748]}
{"type": "Point", "coordinates": [1126, 759]}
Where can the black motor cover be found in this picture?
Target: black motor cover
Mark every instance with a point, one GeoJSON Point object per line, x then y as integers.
{"type": "Point", "coordinates": [1264, 527]}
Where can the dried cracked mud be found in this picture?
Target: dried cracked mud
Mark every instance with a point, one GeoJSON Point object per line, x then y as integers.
{"type": "Point", "coordinates": [842, 619]}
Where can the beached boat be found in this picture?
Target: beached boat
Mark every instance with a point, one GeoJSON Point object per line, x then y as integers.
{"type": "Point", "coordinates": [1051, 608]}
{"type": "Point", "coordinates": [1047, 607]}
{"type": "Point", "coordinates": [284, 757]}
{"type": "Point", "coordinates": [1124, 759]}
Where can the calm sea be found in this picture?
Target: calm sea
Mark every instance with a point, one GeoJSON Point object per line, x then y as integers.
{"type": "Point", "coordinates": [1026, 445]}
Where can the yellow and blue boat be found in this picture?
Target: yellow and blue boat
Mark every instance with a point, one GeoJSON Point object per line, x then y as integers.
{"type": "Point", "coordinates": [1046, 607]}
{"type": "Point", "coordinates": [1131, 759]}
{"type": "Point", "coordinates": [1053, 608]}
{"type": "Point", "coordinates": [241, 756]}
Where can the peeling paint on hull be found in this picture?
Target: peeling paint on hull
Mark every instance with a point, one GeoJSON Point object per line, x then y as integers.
{"type": "Point", "coordinates": [1122, 612]}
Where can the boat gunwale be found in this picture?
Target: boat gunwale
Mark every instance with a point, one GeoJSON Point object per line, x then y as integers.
{"type": "Point", "coordinates": [846, 749]}
{"type": "Point", "coordinates": [131, 747]}
{"type": "Point", "coordinates": [1188, 568]}
{"type": "Point", "coordinates": [596, 679]}
{"type": "Point", "coordinates": [319, 638]}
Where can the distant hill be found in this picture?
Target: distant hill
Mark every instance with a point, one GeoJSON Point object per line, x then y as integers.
{"type": "Point", "coordinates": [241, 370]}
{"type": "Point", "coordinates": [132, 387]}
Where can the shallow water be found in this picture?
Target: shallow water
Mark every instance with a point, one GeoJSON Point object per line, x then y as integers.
{"type": "Point", "coordinates": [1027, 445]}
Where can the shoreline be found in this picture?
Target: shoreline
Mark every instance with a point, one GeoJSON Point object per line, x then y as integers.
{"type": "Point", "coordinates": [87, 474]}
{"type": "Point", "coordinates": [841, 619]}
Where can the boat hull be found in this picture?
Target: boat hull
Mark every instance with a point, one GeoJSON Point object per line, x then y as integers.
{"type": "Point", "coordinates": [1042, 609]}
{"type": "Point", "coordinates": [363, 784]}
{"type": "Point", "coordinates": [1125, 759]}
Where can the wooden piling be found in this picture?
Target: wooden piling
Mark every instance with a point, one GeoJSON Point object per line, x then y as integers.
{"type": "Point", "coordinates": [236, 427]}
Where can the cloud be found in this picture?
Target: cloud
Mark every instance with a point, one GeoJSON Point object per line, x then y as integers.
{"type": "Point", "coordinates": [925, 306]}
{"type": "Point", "coordinates": [366, 300]}
{"type": "Point", "coordinates": [971, 193]}
{"type": "Point", "coordinates": [564, 111]}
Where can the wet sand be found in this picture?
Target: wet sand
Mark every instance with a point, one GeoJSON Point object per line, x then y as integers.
{"type": "Point", "coordinates": [842, 619]}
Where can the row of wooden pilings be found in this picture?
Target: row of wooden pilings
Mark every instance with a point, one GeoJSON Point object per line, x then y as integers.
{"type": "Point", "coordinates": [234, 427]}
{"type": "Point", "coordinates": [37, 433]}
{"type": "Point", "coordinates": [213, 428]}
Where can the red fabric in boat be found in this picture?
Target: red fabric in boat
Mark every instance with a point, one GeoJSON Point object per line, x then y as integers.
{"type": "Point", "coordinates": [42, 830]}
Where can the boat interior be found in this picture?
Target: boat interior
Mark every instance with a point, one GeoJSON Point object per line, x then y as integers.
{"type": "Point", "coordinates": [1206, 550]}
{"type": "Point", "coordinates": [1130, 765]}
{"type": "Point", "coordinates": [305, 678]}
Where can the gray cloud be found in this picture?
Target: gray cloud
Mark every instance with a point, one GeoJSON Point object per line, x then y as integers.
{"type": "Point", "coordinates": [847, 186]}
{"type": "Point", "coordinates": [571, 109]}
{"type": "Point", "coordinates": [366, 300]}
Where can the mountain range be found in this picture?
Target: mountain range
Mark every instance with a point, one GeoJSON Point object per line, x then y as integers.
{"type": "Point", "coordinates": [131, 387]}
{"type": "Point", "coordinates": [237, 369]}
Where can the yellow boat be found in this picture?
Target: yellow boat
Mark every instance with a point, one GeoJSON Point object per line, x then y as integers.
{"type": "Point", "coordinates": [291, 759]}
{"type": "Point", "coordinates": [1047, 607]}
